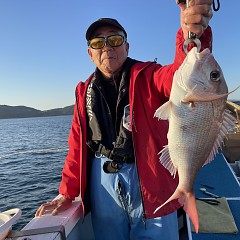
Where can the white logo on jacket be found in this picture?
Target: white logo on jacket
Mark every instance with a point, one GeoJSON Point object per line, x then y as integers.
{"type": "Point", "coordinates": [89, 101]}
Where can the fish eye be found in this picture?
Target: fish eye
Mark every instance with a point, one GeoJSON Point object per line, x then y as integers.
{"type": "Point", "coordinates": [215, 76]}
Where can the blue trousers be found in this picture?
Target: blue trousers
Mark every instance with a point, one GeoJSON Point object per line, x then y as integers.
{"type": "Point", "coordinates": [117, 212]}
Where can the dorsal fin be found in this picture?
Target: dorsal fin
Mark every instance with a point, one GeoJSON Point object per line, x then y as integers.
{"type": "Point", "coordinates": [227, 123]}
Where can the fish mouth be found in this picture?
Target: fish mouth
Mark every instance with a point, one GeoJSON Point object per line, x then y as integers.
{"type": "Point", "coordinates": [204, 54]}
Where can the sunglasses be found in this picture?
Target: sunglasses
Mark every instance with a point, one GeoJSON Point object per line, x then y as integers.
{"type": "Point", "coordinates": [112, 41]}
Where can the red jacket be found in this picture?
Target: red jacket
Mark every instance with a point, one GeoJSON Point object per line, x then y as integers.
{"type": "Point", "coordinates": [150, 86]}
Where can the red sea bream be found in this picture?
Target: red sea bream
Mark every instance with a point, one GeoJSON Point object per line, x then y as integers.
{"type": "Point", "coordinates": [198, 123]}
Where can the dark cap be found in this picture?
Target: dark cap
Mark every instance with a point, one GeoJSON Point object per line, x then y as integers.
{"type": "Point", "coordinates": [103, 22]}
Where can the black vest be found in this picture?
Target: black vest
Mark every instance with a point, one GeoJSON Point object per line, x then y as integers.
{"type": "Point", "coordinates": [106, 101]}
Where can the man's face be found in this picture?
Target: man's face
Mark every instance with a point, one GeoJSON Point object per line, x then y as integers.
{"type": "Point", "coordinates": [109, 60]}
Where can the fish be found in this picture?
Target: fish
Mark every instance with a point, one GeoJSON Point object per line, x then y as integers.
{"type": "Point", "coordinates": [198, 123]}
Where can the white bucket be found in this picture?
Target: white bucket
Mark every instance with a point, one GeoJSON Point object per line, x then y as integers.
{"type": "Point", "coordinates": [7, 220]}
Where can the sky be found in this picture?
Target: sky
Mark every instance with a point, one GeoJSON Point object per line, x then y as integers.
{"type": "Point", "coordinates": [43, 51]}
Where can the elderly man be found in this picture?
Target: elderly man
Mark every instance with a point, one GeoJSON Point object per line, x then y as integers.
{"type": "Point", "coordinates": [114, 140]}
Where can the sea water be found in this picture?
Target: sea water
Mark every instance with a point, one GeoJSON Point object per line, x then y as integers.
{"type": "Point", "coordinates": [32, 154]}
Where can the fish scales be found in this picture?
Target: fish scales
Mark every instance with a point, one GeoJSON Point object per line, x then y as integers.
{"type": "Point", "coordinates": [198, 123]}
{"type": "Point", "coordinates": [188, 135]}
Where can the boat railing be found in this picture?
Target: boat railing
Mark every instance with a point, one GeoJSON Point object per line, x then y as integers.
{"type": "Point", "coordinates": [51, 227]}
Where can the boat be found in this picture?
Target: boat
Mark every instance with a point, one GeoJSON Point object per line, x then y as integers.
{"type": "Point", "coordinates": [7, 219]}
{"type": "Point", "coordinates": [67, 225]}
{"type": "Point", "coordinates": [231, 148]}
{"type": "Point", "coordinates": [70, 225]}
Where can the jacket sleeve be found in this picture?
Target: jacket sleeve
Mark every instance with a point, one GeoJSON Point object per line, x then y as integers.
{"type": "Point", "coordinates": [70, 184]}
{"type": "Point", "coordinates": [163, 76]}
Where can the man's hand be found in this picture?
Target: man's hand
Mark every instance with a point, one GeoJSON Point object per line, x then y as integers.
{"type": "Point", "coordinates": [54, 207]}
{"type": "Point", "coordinates": [195, 18]}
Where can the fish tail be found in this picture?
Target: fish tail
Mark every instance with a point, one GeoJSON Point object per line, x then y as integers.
{"type": "Point", "coordinates": [176, 195]}
{"type": "Point", "coordinates": [190, 207]}
{"type": "Point", "coordinates": [188, 201]}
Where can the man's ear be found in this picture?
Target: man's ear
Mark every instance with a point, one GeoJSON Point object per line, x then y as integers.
{"type": "Point", "coordinates": [90, 53]}
{"type": "Point", "coordinates": [127, 47]}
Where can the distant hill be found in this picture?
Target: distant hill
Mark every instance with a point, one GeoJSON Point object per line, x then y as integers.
{"type": "Point", "coordinates": [27, 112]}
{"type": "Point", "coordinates": [60, 111]}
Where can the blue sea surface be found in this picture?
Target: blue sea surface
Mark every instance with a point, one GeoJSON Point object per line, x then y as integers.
{"type": "Point", "coordinates": [32, 154]}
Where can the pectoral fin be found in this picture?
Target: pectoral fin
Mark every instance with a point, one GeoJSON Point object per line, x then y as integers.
{"type": "Point", "coordinates": [163, 112]}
